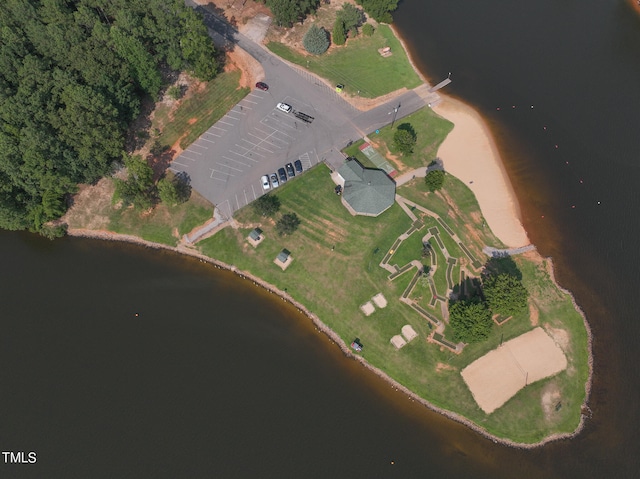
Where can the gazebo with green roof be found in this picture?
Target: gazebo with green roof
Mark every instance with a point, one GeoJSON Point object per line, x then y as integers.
{"type": "Point", "coordinates": [366, 191]}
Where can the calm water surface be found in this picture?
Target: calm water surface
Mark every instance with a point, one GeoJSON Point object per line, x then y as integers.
{"type": "Point", "coordinates": [215, 378]}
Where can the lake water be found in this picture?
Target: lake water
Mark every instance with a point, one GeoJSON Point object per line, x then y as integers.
{"type": "Point", "coordinates": [118, 361]}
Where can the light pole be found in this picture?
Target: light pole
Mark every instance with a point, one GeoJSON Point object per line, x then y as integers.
{"type": "Point", "coordinates": [395, 113]}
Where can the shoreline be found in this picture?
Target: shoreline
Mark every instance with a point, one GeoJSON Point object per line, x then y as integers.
{"type": "Point", "coordinates": [486, 176]}
{"type": "Point", "coordinates": [510, 210]}
{"type": "Point", "coordinates": [337, 340]}
{"type": "Point", "coordinates": [503, 218]}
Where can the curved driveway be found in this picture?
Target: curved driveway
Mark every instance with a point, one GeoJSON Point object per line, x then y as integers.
{"type": "Point", "coordinates": [254, 138]}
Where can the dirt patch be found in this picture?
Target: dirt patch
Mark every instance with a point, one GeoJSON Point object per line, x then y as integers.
{"type": "Point", "coordinates": [560, 336]}
{"type": "Point", "coordinates": [550, 398]}
{"type": "Point", "coordinates": [91, 206]}
{"type": "Point", "coordinates": [534, 314]}
{"type": "Point", "coordinates": [444, 367]}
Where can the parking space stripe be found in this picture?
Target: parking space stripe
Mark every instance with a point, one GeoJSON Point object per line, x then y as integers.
{"type": "Point", "coordinates": [233, 117]}
{"type": "Point", "coordinates": [183, 156]}
{"type": "Point", "coordinates": [194, 152]}
{"type": "Point", "coordinates": [230, 167]}
{"type": "Point", "coordinates": [225, 123]}
{"type": "Point", "coordinates": [236, 161]}
{"type": "Point", "coordinates": [199, 146]}
{"type": "Point", "coordinates": [248, 151]}
{"type": "Point", "coordinates": [265, 140]}
{"type": "Point", "coordinates": [254, 102]}
{"type": "Point", "coordinates": [212, 134]}
{"type": "Point", "coordinates": [178, 163]}
{"type": "Point", "coordinates": [208, 141]}
{"type": "Point", "coordinates": [217, 128]}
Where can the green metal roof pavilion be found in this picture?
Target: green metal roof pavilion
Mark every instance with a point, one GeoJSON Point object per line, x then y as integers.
{"type": "Point", "coordinates": [366, 191]}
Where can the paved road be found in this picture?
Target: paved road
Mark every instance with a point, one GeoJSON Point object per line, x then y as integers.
{"type": "Point", "coordinates": [254, 138]}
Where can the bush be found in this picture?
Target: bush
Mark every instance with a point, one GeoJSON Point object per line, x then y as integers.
{"type": "Point", "coordinates": [316, 40]}
{"type": "Point", "coordinates": [174, 92]}
{"type": "Point", "coordinates": [287, 224]}
{"type": "Point", "coordinates": [367, 30]}
{"type": "Point", "coordinates": [434, 180]}
{"type": "Point", "coordinates": [339, 35]}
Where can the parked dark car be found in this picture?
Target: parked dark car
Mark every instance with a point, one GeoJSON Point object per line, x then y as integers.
{"type": "Point", "coordinates": [262, 86]}
{"type": "Point", "coordinates": [298, 165]}
{"type": "Point", "coordinates": [290, 171]}
{"type": "Point", "coordinates": [282, 175]}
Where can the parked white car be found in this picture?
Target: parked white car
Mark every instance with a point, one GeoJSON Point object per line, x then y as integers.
{"type": "Point", "coordinates": [265, 182]}
{"type": "Point", "coordinates": [283, 107]}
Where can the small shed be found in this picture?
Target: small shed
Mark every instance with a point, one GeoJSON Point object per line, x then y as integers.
{"type": "Point", "coordinates": [283, 259]}
{"type": "Point", "coordinates": [255, 237]}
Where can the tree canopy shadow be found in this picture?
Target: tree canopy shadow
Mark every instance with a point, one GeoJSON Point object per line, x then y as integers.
{"type": "Point", "coordinates": [409, 128]}
{"type": "Point", "coordinates": [501, 263]}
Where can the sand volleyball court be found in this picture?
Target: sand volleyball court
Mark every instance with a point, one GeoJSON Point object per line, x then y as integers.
{"type": "Point", "coordinates": [498, 375]}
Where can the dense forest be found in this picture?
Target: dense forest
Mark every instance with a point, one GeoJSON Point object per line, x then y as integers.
{"type": "Point", "coordinates": [72, 76]}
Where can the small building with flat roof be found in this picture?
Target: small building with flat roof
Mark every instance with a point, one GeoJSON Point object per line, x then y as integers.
{"type": "Point", "coordinates": [255, 237]}
{"type": "Point", "coordinates": [283, 259]}
{"type": "Point", "coordinates": [366, 191]}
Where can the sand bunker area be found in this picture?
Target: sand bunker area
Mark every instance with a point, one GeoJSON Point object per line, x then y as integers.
{"type": "Point", "coordinates": [498, 375]}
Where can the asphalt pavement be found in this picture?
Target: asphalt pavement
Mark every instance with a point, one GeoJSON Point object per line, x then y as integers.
{"type": "Point", "coordinates": [255, 138]}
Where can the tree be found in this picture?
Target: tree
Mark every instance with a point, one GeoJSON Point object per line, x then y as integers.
{"type": "Point", "coordinates": [380, 10]}
{"type": "Point", "coordinates": [72, 77]}
{"type": "Point", "coordinates": [316, 40]}
{"type": "Point", "coordinates": [174, 189]}
{"type": "Point", "coordinates": [138, 189]}
{"type": "Point", "coordinates": [505, 294]}
{"type": "Point", "coordinates": [404, 139]}
{"type": "Point", "coordinates": [287, 224]}
{"type": "Point", "coordinates": [434, 180]}
{"type": "Point", "coordinates": [351, 17]}
{"type": "Point", "coordinates": [367, 30]}
{"type": "Point", "coordinates": [267, 205]}
{"type": "Point", "coordinates": [339, 36]}
{"type": "Point", "coordinates": [287, 12]}
{"type": "Point", "coordinates": [471, 321]}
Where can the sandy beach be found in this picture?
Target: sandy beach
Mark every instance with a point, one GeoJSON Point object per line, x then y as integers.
{"type": "Point", "coordinates": [470, 154]}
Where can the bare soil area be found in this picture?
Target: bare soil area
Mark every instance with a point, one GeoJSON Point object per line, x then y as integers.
{"type": "Point", "coordinates": [498, 375]}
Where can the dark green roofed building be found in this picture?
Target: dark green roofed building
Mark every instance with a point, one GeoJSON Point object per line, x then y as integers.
{"type": "Point", "coordinates": [366, 191]}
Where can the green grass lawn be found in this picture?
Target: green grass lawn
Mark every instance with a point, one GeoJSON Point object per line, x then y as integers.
{"type": "Point", "coordinates": [463, 214]}
{"type": "Point", "coordinates": [333, 284]}
{"type": "Point", "coordinates": [431, 131]}
{"type": "Point", "coordinates": [198, 112]}
{"type": "Point", "coordinates": [358, 65]}
{"type": "Point", "coordinates": [162, 224]}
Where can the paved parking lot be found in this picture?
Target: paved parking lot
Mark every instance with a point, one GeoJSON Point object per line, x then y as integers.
{"type": "Point", "coordinates": [253, 139]}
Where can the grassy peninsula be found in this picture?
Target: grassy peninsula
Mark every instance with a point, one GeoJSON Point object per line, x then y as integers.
{"type": "Point", "coordinates": [336, 269]}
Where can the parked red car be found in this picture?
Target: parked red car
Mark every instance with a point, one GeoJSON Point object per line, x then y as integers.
{"type": "Point", "coordinates": [262, 86]}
